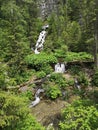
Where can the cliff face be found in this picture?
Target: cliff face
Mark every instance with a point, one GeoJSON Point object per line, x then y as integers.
{"type": "Point", "coordinates": [46, 7]}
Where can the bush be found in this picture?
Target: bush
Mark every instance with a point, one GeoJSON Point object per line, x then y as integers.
{"type": "Point", "coordinates": [15, 115]}
{"type": "Point", "coordinates": [3, 76]}
{"type": "Point", "coordinates": [27, 94]}
{"type": "Point", "coordinates": [24, 76]}
{"type": "Point", "coordinates": [60, 53]}
{"type": "Point", "coordinates": [83, 80]}
{"type": "Point", "coordinates": [38, 61]}
{"type": "Point", "coordinates": [12, 82]}
{"type": "Point", "coordinates": [53, 92]}
{"type": "Point", "coordinates": [81, 56]}
{"type": "Point", "coordinates": [79, 116]}
{"type": "Point", "coordinates": [40, 74]}
{"type": "Point", "coordinates": [58, 79]}
{"type": "Point", "coordinates": [70, 82]}
{"type": "Point", "coordinates": [55, 77]}
{"type": "Point", "coordinates": [47, 69]}
{"type": "Point", "coordinates": [95, 79]}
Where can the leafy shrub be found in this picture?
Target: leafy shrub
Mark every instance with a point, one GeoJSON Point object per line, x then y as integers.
{"type": "Point", "coordinates": [60, 53]}
{"type": "Point", "coordinates": [27, 94]}
{"type": "Point", "coordinates": [95, 79]}
{"type": "Point", "coordinates": [62, 83]}
{"type": "Point", "coordinates": [58, 79]}
{"type": "Point", "coordinates": [47, 69]}
{"type": "Point", "coordinates": [40, 74]}
{"type": "Point", "coordinates": [12, 82]}
{"type": "Point", "coordinates": [53, 92]}
{"type": "Point", "coordinates": [37, 61]}
{"type": "Point", "coordinates": [30, 123]}
{"type": "Point", "coordinates": [55, 77]}
{"type": "Point", "coordinates": [19, 79]}
{"type": "Point", "coordinates": [14, 113]}
{"type": "Point", "coordinates": [79, 116]}
{"type": "Point", "coordinates": [3, 76]}
{"type": "Point", "coordinates": [64, 48]}
{"type": "Point", "coordinates": [83, 80]}
{"type": "Point", "coordinates": [81, 56]}
{"type": "Point", "coordinates": [24, 76]}
{"type": "Point", "coordinates": [70, 82]}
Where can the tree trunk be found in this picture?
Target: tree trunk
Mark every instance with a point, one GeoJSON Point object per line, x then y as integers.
{"type": "Point", "coordinates": [96, 36]}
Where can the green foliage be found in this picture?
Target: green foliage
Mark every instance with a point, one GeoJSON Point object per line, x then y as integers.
{"type": "Point", "coordinates": [73, 36]}
{"type": "Point", "coordinates": [42, 58]}
{"type": "Point", "coordinates": [95, 79]}
{"type": "Point", "coordinates": [28, 94]}
{"type": "Point", "coordinates": [3, 76]}
{"type": "Point", "coordinates": [70, 82]}
{"type": "Point", "coordinates": [47, 68]}
{"type": "Point", "coordinates": [20, 78]}
{"type": "Point", "coordinates": [18, 22]}
{"type": "Point", "coordinates": [75, 69]}
{"type": "Point", "coordinates": [83, 80]}
{"type": "Point", "coordinates": [30, 123]}
{"type": "Point", "coordinates": [41, 61]}
{"type": "Point", "coordinates": [12, 82]}
{"type": "Point", "coordinates": [53, 91]}
{"type": "Point", "coordinates": [14, 113]}
{"type": "Point", "coordinates": [40, 74]}
{"type": "Point", "coordinates": [60, 53]}
{"type": "Point", "coordinates": [85, 16]}
{"type": "Point", "coordinates": [55, 77]}
{"type": "Point", "coordinates": [80, 116]}
{"type": "Point", "coordinates": [56, 32]}
{"type": "Point", "coordinates": [58, 79]}
{"type": "Point", "coordinates": [81, 56]}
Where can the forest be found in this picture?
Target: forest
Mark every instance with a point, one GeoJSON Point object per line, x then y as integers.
{"type": "Point", "coordinates": [49, 65]}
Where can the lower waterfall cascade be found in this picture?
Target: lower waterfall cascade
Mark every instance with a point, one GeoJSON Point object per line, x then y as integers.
{"type": "Point", "coordinates": [37, 98]}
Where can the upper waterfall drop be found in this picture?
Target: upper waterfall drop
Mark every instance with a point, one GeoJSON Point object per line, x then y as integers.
{"type": "Point", "coordinates": [41, 40]}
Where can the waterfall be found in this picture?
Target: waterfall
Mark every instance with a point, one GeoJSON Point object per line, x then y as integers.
{"type": "Point", "coordinates": [41, 40]}
{"type": "Point", "coordinates": [37, 98]}
{"type": "Point", "coordinates": [77, 84]}
{"type": "Point", "coordinates": [60, 68]}
{"type": "Point", "coordinates": [35, 102]}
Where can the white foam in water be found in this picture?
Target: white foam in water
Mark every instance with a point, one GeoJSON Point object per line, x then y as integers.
{"type": "Point", "coordinates": [37, 98]}
{"type": "Point", "coordinates": [41, 40]}
{"type": "Point", "coordinates": [35, 102]}
{"type": "Point", "coordinates": [60, 68]}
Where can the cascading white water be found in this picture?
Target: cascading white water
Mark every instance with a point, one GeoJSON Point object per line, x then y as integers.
{"type": "Point", "coordinates": [41, 40]}
{"type": "Point", "coordinates": [37, 98]}
{"type": "Point", "coordinates": [77, 84]}
{"type": "Point", "coordinates": [60, 68]}
{"type": "Point", "coordinates": [35, 102]}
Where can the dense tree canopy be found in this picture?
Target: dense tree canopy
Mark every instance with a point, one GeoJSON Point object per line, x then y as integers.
{"type": "Point", "coordinates": [72, 37]}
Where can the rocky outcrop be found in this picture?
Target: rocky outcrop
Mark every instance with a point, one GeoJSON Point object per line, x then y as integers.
{"type": "Point", "coordinates": [46, 7]}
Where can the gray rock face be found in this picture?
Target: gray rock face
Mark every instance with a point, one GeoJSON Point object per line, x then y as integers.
{"type": "Point", "coordinates": [46, 7]}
